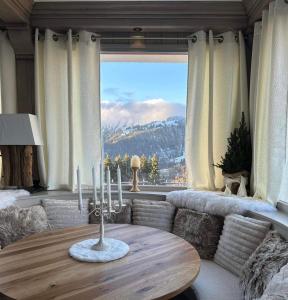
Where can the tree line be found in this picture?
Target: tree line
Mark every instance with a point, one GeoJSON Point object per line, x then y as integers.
{"type": "Point", "coordinates": [148, 173]}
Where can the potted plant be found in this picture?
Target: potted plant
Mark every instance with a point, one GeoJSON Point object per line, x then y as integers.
{"type": "Point", "coordinates": [238, 157]}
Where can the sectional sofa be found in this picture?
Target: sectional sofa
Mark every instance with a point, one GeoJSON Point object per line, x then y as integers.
{"type": "Point", "coordinates": [241, 257]}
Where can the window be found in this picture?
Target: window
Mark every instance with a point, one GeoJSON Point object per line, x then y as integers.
{"type": "Point", "coordinates": [143, 113]}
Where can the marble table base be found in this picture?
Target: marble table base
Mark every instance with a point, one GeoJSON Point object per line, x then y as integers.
{"type": "Point", "coordinates": [83, 251]}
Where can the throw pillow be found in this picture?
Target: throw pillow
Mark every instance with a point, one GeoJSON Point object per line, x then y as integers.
{"type": "Point", "coordinates": [239, 239]}
{"type": "Point", "coordinates": [157, 214]}
{"type": "Point", "coordinates": [16, 223]}
{"type": "Point", "coordinates": [65, 213]}
{"type": "Point", "coordinates": [124, 217]}
{"type": "Point", "coordinates": [199, 229]}
{"type": "Point", "coordinates": [263, 264]}
{"type": "Point", "coordinates": [277, 288]}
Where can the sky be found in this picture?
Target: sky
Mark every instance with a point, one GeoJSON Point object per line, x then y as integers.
{"type": "Point", "coordinates": [138, 92]}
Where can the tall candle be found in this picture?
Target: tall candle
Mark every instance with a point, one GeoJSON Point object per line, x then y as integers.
{"type": "Point", "coordinates": [101, 182]}
{"type": "Point", "coordinates": [119, 185]}
{"type": "Point", "coordinates": [94, 186]}
{"type": "Point", "coordinates": [80, 200]}
{"type": "Point", "coordinates": [109, 189]}
{"type": "Point", "coordinates": [135, 161]}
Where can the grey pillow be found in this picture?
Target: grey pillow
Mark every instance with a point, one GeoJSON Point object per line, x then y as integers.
{"type": "Point", "coordinates": [124, 217]}
{"type": "Point", "coordinates": [16, 223]}
{"type": "Point", "coordinates": [199, 229]}
{"type": "Point", "coordinates": [157, 214]}
{"type": "Point", "coordinates": [65, 213]}
{"type": "Point", "coordinates": [277, 288]}
{"type": "Point", "coordinates": [263, 264]}
{"type": "Point", "coordinates": [239, 239]}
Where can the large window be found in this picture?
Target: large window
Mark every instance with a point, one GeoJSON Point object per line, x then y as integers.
{"type": "Point", "coordinates": [143, 113]}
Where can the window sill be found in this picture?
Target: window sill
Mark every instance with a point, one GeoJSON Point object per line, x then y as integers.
{"type": "Point", "coordinates": [279, 220]}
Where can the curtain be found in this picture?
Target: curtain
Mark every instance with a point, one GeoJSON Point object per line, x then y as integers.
{"type": "Point", "coordinates": [217, 96]}
{"type": "Point", "coordinates": [269, 100]}
{"type": "Point", "coordinates": [8, 94]}
{"type": "Point", "coordinates": [67, 90]}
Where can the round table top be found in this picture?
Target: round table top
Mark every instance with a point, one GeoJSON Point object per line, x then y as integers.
{"type": "Point", "coordinates": [159, 265]}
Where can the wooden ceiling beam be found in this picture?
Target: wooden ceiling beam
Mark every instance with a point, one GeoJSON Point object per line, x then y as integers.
{"type": "Point", "coordinates": [15, 11]}
{"type": "Point", "coordinates": [255, 8]}
{"type": "Point", "coordinates": [152, 16]}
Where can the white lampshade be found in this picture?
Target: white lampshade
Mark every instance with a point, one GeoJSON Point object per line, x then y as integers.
{"type": "Point", "coordinates": [19, 129]}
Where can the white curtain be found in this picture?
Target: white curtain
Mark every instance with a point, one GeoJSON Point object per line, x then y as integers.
{"type": "Point", "coordinates": [217, 96]}
{"type": "Point", "coordinates": [269, 103]}
{"type": "Point", "coordinates": [8, 94]}
{"type": "Point", "coordinates": [67, 90]}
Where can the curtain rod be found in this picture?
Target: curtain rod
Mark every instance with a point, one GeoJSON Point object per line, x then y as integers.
{"type": "Point", "coordinates": [193, 38]}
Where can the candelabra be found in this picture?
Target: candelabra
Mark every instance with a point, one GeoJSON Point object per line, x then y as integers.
{"type": "Point", "coordinates": [101, 249]}
{"type": "Point", "coordinates": [102, 211]}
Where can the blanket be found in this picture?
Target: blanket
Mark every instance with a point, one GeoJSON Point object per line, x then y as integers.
{"type": "Point", "coordinates": [216, 203]}
{"type": "Point", "coordinates": [8, 197]}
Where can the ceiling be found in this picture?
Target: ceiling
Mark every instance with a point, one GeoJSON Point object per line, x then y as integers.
{"type": "Point", "coordinates": [118, 18]}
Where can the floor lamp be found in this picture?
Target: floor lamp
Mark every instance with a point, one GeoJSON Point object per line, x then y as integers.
{"type": "Point", "coordinates": [18, 133]}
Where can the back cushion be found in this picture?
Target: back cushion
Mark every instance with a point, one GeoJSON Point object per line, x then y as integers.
{"type": "Point", "coordinates": [65, 213]}
{"type": "Point", "coordinates": [199, 229]}
{"type": "Point", "coordinates": [157, 214]}
{"type": "Point", "coordinates": [239, 239]}
{"type": "Point", "coordinates": [263, 264]}
{"type": "Point", "coordinates": [16, 223]}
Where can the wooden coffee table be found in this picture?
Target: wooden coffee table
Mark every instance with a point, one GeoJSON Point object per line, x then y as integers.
{"type": "Point", "coordinates": [159, 265]}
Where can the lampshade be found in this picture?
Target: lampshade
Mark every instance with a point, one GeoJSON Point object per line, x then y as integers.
{"type": "Point", "coordinates": [19, 129]}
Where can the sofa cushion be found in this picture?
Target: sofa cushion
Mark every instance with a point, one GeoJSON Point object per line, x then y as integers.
{"type": "Point", "coordinates": [16, 223]}
{"type": "Point", "coordinates": [157, 214]}
{"type": "Point", "coordinates": [263, 264]}
{"type": "Point", "coordinates": [65, 213]}
{"type": "Point", "coordinates": [124, 217]}
{"type": "Point", "coordinates": [199, 229]}
{"type": "Point", "coordinates": [277, 288]}
{"type": "Point", "coordinates": [214, 283]}
{"type": "Point", "coordinates": [239, 239]}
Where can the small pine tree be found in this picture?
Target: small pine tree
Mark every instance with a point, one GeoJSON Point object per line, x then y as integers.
{"type": "Point", "coordinates": [107, 161]}
{"type": "Point", "coordinates": [126, 170]}
{"type": "Point", "coordinates": [154, 175]}
{"type": "Point", "coordinates": [238, 156]}
{"type": "Point", "coordinates": [144, 167]}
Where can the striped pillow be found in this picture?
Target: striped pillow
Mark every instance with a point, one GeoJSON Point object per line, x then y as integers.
{"type": "Point", "coordinates": [240, 238]}
{"type": "Point", "coordinates": [157, 214]}
{"type": "Point", "coordinates": [65, 213]}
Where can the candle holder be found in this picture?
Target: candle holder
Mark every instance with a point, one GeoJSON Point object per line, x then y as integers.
{"type": "Point", "coordinates": [101, 249]}
{"type": "Point", "coordinates": [135, 180]}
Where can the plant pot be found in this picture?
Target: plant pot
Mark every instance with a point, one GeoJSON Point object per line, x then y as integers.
{"type": "Point", "coordinates": [233, 180]}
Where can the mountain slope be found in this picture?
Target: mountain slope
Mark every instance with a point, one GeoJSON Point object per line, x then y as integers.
{"type": "Point", "coordinates": [163, 138]}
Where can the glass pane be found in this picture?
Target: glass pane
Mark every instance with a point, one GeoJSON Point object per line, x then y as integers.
{"type": "Point", "coordinates": [143, 113]}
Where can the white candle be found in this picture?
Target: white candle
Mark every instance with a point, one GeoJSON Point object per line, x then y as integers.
{"type": "Point", "coordinates": [119, 185]}
{"type": "Point", "coordinates": [94, 186]}
{"type": "Point", "coordinates": [101, 182]}
{"type": "Point", "coordinates": [80, 200]}
{"type": "Point", "coordinates": [135, 161]}
{"type": "Point", "coordinates": [109, 189]}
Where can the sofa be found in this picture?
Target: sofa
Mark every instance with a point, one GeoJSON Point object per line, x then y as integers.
{"type": "Point", "coordinates": [220, 275]}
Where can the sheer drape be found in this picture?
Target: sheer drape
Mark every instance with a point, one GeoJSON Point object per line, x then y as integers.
{"type": "Point", "coordinates": [269, 100]}
{"type": "Point", "coordinates": [68, 105]}
{"type": "Point", "coordinates": [217, 95]}
{"type": "Point", "coordinates": [8, 94]}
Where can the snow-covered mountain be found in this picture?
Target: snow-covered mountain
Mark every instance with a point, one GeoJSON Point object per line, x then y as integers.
{"type": "Point", "coordinates": [163, 138]}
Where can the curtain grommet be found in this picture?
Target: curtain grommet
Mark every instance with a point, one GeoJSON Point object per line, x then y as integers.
{"type": "Point", "coordinates": [55, 37]}
{"type": "Point", "coordinates": [93, 38]}
{"type": "Point", "coordinates": [220, 39]}
{"type": "Point", "coordinates": [194, 39]}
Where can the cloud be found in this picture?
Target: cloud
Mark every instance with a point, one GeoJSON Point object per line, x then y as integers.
{"type": "Point", "coordinates": [139, 112]}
